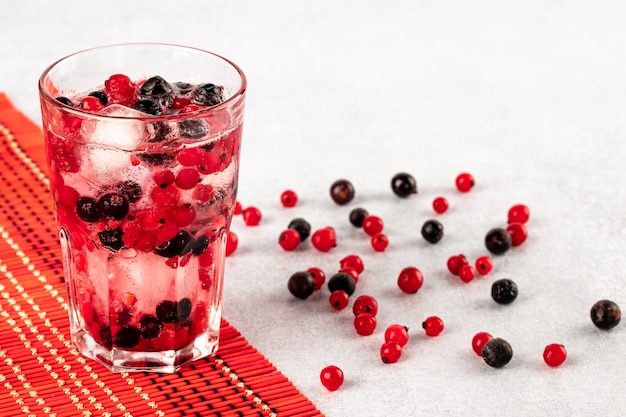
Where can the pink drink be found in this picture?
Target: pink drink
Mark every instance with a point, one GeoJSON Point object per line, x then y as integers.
{"type": "Point", "coordinates": [143, 172]}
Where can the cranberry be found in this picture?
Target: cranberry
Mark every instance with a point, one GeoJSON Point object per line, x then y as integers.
{"type": "Point", "coordinates": [339, 299]}
{"type": "Point", "coordinates": [372, 225]}
{"type": "Point", "coordinates": [289, 239]}
{"type": "Point", "coordinates": [433, 326]}
{"type": "Point", "coordinates": [318, 275]}
{"type": "Point", "coordinates": [365, 324]}
{"type": "Point", "coordinates": [440, 205]}
{"type": "Point", "coordinates": [456, 262]}
{"type": "Point", "coordinates": [289, 198]}
{"type": "Point", "coordinates": [464, 182]}
{"type": "Point", "coordinates": [518, 233]}
{"type": "Point", "coordinates": [554, 354]}
{"type": "Point", "coordinates": [483, 264]}
{"type": "Point", "coordinates": [390, 352]}
{"type": "Point", "coordinates": [467, 273]}
{"type": "Point", "coordinates": [301, 284]}
{"type": "Point", "coordinates": [331, 377]}
{"type": "Point", "coordinates": [397, 333]}
{"type": "Point", "coordinates": [342, 192]}
{"type": "Point", "coordinates": [324, 239]}
{"type": "Point", "coordinates": [403, 185]}
{"type": "Point", "coordinates": [357, 216]}
{"type": "Point", "coordinates": [251, 216]}
{"type": "Point", "coordinates": [605, 314]}
{"type": "Point", "coordinates": [379, 242]}
{"type": "Point", "coordinates": [410, 280]}
{"type": "Point", "coordinates": [479, 340]}
{"type": "Point", "coordinates": [497, 352]}
{"type": "Point", "coordinates": [365, 304]}
{"type": "Point", "coordinates": [498, 241]}
{"type": "Point", "coordinates": [519, 213]}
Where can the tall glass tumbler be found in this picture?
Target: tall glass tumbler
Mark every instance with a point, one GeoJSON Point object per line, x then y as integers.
{"type": "Point", "coordinates": [142, 145]}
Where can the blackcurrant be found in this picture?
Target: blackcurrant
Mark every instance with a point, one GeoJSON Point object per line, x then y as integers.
{"type": "Point", "coordinates": [183, 309]}
{"type": "Point", "coordinates": [605, 314]}
{"type": "Point", "coordinates": [193, 129]}
{"type": "Point", "coordinates": [498, 241]}
{"type": "Point", "coordinates": [101, 96]}
{"type": "Point", "coordinates": [207, 95]}
{"type": "Point", "coordinates": [112, 238]}
{"type": "Point", "coordinates": [342, 192]}
{"type": "Point", "coordinates": [301, 284]}
{"type": "Point", "coordinates": [127, 337]}
{"type": "Point", "coordinates": [432, 231]}
{"type": "Point", "coordinates": [157, 89]}
{"type": "Point", "coordinates": [183, 87]}
{"type": "Point", "coordinates": [302, 226]}
{"type": "Point", "coordinates": [178, 245]}
{"type": "Point", "coordinates": [166, 311]}
{"type": "Point", "coordinates": [497, 352]}
{"type": "Point", "coordinates": [150, 326]}
{"type": "Point", "coordinates": [130, 189]}
{"type": "Point", "coordinates": [87, 209]}
{"type": "Point", "coordinates": [149, 106]}
{"type": "Point", "coordinates": [200, 245]}
{"type": "Point", "coordinates": [504, 291]}
{"type": "Point", "coordinates": [403, 185]}
{"type": "Point", "coordinates": [65, 100]}
{"type": "Point", "coordinates": [357, 216]}
{"type": "Point", "coordinates": [342, 281]}
{"type": "Point", "coordinates": [113, 206]}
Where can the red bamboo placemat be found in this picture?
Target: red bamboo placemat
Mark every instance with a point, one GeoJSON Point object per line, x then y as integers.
{"type": "Point", "coordinates": [41, 374]}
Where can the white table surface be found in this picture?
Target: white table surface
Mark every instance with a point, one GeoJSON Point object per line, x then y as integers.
{"type": "Point", "coordinates": [528, 96]}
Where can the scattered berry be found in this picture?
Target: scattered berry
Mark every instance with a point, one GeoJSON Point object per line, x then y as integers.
{"type": "Point", "coordinates": [403, 185]}
{"type": "Point", "coordinates": [432, 231]}
{"type": "Point", "coordinates": [357, 216]}
{"type": "Point", "coordinates": [479, 340]}
{"type": "Point", "coordinates": [365, 324]}
{"type": "Point", "coordinates": [433, 326]}
{"type": "Point", "coordinates": [302, 227]}
{"type": "Point", "coordinates": [467, 273]}
{"type": "Point", "coordinates": [232, 241]}
{"type": "Point", "coordinates": [352, 261]}
{"type": "Point", "coordinates": [342, 281]}
{"type": "Point", "coordinates": [339, 299]}
{"type": "Point", "coordinates": [372, 225]}
{"type": "Point", "coordinates": [397, 333]}
{"type": "Point", "coordinates": [342, 192]}
{"type": "Point", "coordinates": [518, 233]}
{"type": "Point", "coordinates": [440, 205]}
{"type": "Point", "coordinates": [497, 352]}
{"type": "Point", "coordinates": [519, 213]}
{"type": "Point", "coordinates": [350, 271]}
{"type": "Point", "coordinates": [498, 241]}
{"type": "Point", "coordinates": [390, 352]}
{"type": "Point", "coordinates": [456, 262]}
{"type": "Point", "coordinates": [289, 198]}
{"type": "Point", "coordinates": [301, 284]}
{"type": "Point", "coordinates": [605, 314]}
{"type": "Point", "coordinates": [504, 291]}
{"type": "Point", "coordinates": [289, 239]}
{"type": "Point", "coordinates": [324, 239]}
{"type": "Point", "coordinates": [318, 275]}
{"type": "Point", "coordinates": [464, 182]}
{"type": "Point", "coordinates": [410, 280]}
{"type": "Point", "coordinates": [331, 377]}
{"type": "Point", "coordinates": [484, 265]}
{"type": "Point", "coordinates": [379, 242]}
{"type": "Point", "coordinates": [554, 354]}
{"type": "Point", "coordinates": [365, 304]}
{"type": "Point", "coordinates": [251, 216]}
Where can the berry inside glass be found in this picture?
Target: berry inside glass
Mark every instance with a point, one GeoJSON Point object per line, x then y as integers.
{"type": "Point", "coordinates": [143, 144]}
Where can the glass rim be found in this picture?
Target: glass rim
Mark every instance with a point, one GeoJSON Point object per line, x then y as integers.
{"type": "Point", "coordinates": [45, 94]}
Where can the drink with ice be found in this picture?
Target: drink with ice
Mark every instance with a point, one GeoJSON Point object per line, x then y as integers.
{"type": "Point", "coordinates": [143, 171]}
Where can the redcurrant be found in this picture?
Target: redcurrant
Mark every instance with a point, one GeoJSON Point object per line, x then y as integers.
{"type": "Point", "coordinates": [410, 280]}
{"type": "Point", "coordinates": [554, 354]}
{"type": "Point", "coordinates": [238, 208]}
{"type": "Point", "coordinates": [350, 271]}
{"type": "Point", "coordinates": [397, 333]}
{"type": "Point", "coordinates": [365, 304]}
{"type": "Point", "coordinates": [251, 216]}
{"type": "Point", "coordinates": [464, 182]}
{"type": "Point", "coordinates": [331, 377]}
{"type": "Point", "coordinates": [232, 241]}
{"type": "Point", "coordinates": [353, 261]}
{"type": "Point", "coordinates": [518, 233]}
{"type": "Point", "coordinates": [519, 213]}
{"type": "Point", "coordinates": [467, 273]}
{"type": "Point", "coordinates": [365, 324]}
{"type": "Point", "coordinates": [318, 275]}
{"type": "Point", "coordinates": [479, 340]}
{"type": "Point", "coordinates": [433, 325]}
{"type": "Point", "coordinates": [456, 262]}
{"type": "Point", "coordinates": [440, 205]}
{"type": "Point", "coordinates": [390, 352]}
{"type": "Point", "coordinates": [379, 242]}
{"type": "Point", "coordinates": [484, 264]}
{"type": "Point", "coordinates": [289, 239]}
{"type": "Point", "coordinates": [324, 239]}
{"type": "Point", "coordinates": [372, 225]}
{"type": "Point", "coordinates": [339, 299]}
{"type": "Point", "coordinates": [187, 178]}
{"type": "Point", "coordinates": [91, 104]}
{"type": "Point", "coordinates": [289, 198]}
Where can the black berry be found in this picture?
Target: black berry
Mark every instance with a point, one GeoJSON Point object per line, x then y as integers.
{"type": "Point", "coordinates": [301, 284]}
{"type": "Point", "coordinates": [149, 106]}
{"type": "Point", "coordinates": [301, 226]}
{"type": "Point", "coordinates": [357, 216]}
{"type": "Point", "coordinates": [178, 245]}
{"type": "Point", "coordinates": [183, 87]}
{"type": "Point", "coordinates": [432, 231]}
{"type": "Point", "coordinates": [207, 95]}
{"type": "Point", "coordinates": [193, 129]}
{"type": "Point", "coordinates": [101, 96]}
{"type": "Point", "coordinates": [113, 206]}
{"type": "Point", "coordinates": [183, 309]}
{"type": "Point", "coordinates": [112, 238]}
{"type": "Point", "coordinates": [342, 192]}
{"type": "Point", "coordinates": [157, 89]}
{"type": "Point", "coordinates": [106, 339]}
{"type": "Point", "coordinates": [127, 337]}
{"type": "Point", "coordinates": [605, 314]}
{"type": "Point", "coordinates": [65, 100]}
{"type": "Point", "coordinates": [498, 241]}
{"type": "Point", "coordinates": [155, 158]}
{"type": "Point", "coordinates": [497, 352]}
{"type": "Point", "coordinates": [342, 281]}
{"type": "Point", "coordinates": [150, 326]}
{"type": "Point", "coordinates": [87, 209]}
{"type": "Point", "coordinates": [504, 291]}
{"type": "Point", "coordinates": [166, 311]}
{"type": "Point", "coordinates": [157, 131]}
{"type": "Point", "coordinates": [403, 185]}
{"type": "Point", "coordinates": [200, 245]}
{"type": "Point", "coordinates": [130, 189]}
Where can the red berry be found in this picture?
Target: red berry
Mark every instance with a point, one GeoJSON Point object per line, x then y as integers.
{"type": "Point", "coordinates": [188, 108]}
{"type": "Point", "coordinates": [68, 195]}
{"type": "Point", "coordinates": [180, 102]}
{"type": "Point", "coordinates": [484, 264]}
{"type": "Point", "coordinates": [379, 242]}
{"type": "Point", "coordinates": [464, 182]}
{"type": "Point", "coordinates": [350, 271]}
{"type": "Point", "coordinates": [390, 352]}
{"type": "Point", "coordinates": [456, 262]}
{"type": "Point", "coordinates": [372, 225]}
{"type": "Point", "coordinates": [519, 213]}
{"type": "Point", "coordinates": [190, 157]}
{"type": "Point", "coordinates": [433, 326]}
{"type": "Point", "coordinates": [397, 333]}
{"type": "Point", "coordinates": [365, 304]}
{"type": "Point", "coordinates": [289, 239]}
{"type": "Point", "coordinates": [479, 340]}
{"type": "Point", "coordinates": [232, 241]}
{"type": "Point", "coordinates": [237, 210]}
{"type": "Point", "coordinates": [164, 178]}
{"type": "Point", "coordinates": [518, 233]}
{"type": "Point", "coordinates": [365, 324]}
{"type": "Point", "coordinates": [440, 205]}
{"type": "Point", "coordinates": [467, 273]}
{"type": "Point", "coordinates": [203, 192]}
{"type": "Point", "coordinates": [289, 198]}
{"type": "Point", "coordinates": [91, 104]}
{"type": "Point", "coordinates": [353, 261]}
{"type": "Point", "coordinates": [187, 178]}
{"type": "Point", "coordinates": [324, 239]}
{"type": "Point", "coordinates": [251, 216]}
{"type": "Point", "coordinates": [183, 215]}
{"type": "Point", "coordinates": [121, 89]}
{"type": "Point", "coordinates": [339, 299]}
{"type": "Point", "coordinates": [410, 280]}
{"type": "Point", "coordinates": [554, 354]}
{"type": "Point", "coordinates": [331, 377]}
{"type": "Point", "coordinates": [318, 275]}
